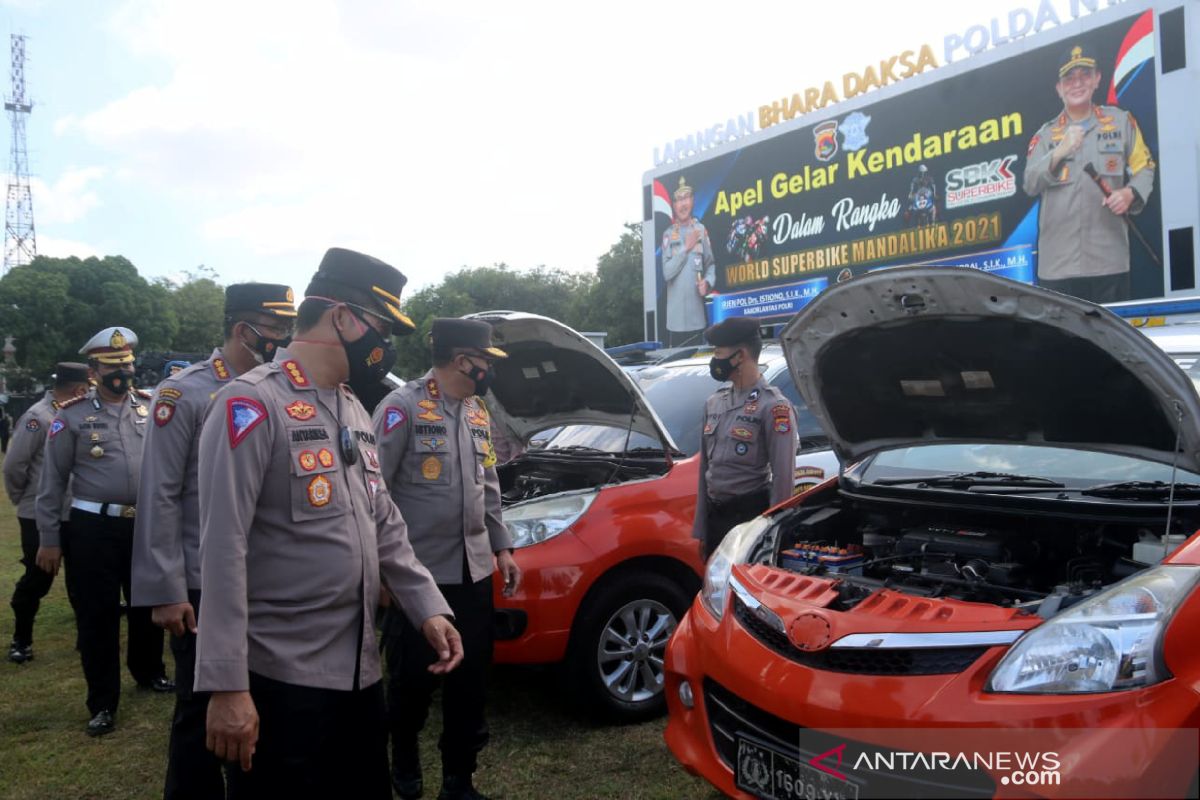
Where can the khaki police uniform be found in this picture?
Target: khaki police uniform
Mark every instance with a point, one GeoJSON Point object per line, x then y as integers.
{"type": "Point", "coordinates": [1077, 236]}
{"type": "Point", "coordinates": [296, 532]}
{"type": "Point", "coordinates": [438, 462]}
{"type": "Point", "coordinates": [95, 448]}
{"type": "Point", "coordinates": [681, 270]}
{"type": "Point", "coordinates": [22, 471]}
{"type": "Point", "coordinates": [166, 555]}
{"type": "Point", "coordinates": [747, 458]}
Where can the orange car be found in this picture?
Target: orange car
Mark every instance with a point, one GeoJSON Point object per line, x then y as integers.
{"type": "Point", "coordinates": [601, 516]}
{"type": "Point", "coordinates": [997, 599]}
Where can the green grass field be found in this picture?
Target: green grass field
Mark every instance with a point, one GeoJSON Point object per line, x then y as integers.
{"type": "Point", "coordinates": [541, 747]}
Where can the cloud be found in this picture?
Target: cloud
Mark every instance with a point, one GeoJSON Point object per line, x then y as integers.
{"type": "Point", "coordinates": [68, 199]}
{"type": "Point", "coordinates": [65, 248]}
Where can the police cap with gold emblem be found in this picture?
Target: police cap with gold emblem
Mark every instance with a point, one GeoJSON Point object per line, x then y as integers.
{"type": "Point", "coordinates": [363, 281]}
{"type": "Point", "coordinates": [1075, 57]}
{"type": "Point", "coordinates": [683, 190]}
{"type": "Point", "coordinates": [733, 332]}
{"type": "Point", "coordinates": [464, 334]}
{"type": "Point", "coordinates": [266, 298]}
{"type": "Point", "coordinates": [111, 346]}
{"type": "Point", "coordinates": [69, 372]}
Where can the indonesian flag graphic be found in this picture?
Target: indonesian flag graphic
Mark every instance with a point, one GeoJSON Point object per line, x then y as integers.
{"type": "Point", "coordinates": [662, 200]}
{"type": "Point", "coordinates": [1135, 52]}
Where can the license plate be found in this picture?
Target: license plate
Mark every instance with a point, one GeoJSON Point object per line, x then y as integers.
{"type": "Point", "coordinates": [765, 772]}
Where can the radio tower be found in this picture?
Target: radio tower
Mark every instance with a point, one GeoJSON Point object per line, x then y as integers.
{"type": "Point", "coordinates": [20, 241]}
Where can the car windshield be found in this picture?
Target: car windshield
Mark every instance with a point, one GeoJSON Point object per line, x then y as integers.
{"type": "Point", "coordinates": [677, 395]}
{"type": "Point", "coordinates": [1075, 468]}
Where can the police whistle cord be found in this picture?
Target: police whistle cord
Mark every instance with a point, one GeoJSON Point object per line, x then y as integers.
{"type": "Point", "coordinates": [1137, 234]}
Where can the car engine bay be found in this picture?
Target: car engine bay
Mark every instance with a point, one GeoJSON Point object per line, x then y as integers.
{"type": "Point", "coordinates": [547, 472]}
{"type": "Point", "coordinates": [1038, 562]}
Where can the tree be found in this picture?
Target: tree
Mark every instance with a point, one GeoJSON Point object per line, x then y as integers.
{"type": "Point", "coordinates": [614, 301]}
{"type": "Point", "coordinates": [54, 305]}
{"type": "Point", "coordinates": [199, 306]}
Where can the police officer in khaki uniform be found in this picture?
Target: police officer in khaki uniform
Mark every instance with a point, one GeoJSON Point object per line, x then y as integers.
{"type": "Point", "coordinates": [439, 465]}
{"type": "Point", "coordinates": [748, 446]}
{"type": "Point", "coordinates": [1083, 243]}
{"type": "Point", "coordinates": [689, 268]}
{"type": "Point", "coordinates": [22, 469]}
{"type": "Point", "coordinates": [166, 552]}
{"type": "Point", "coordinates": [296, 532]}
{"type": "Point", "coordinates": [94, 444]}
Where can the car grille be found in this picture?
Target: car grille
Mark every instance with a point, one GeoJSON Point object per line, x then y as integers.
{"type": "Point", "coordinates": [730, 716]}
{"type": "Point", "coordinates": [913, 661]}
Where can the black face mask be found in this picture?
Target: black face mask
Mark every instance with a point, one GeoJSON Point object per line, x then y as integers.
{"type": "Point", "coordinates": [482, 378]}
{"type": "Point", "coordinates": [370, 357]}
{"type": "Point", "coordinates": [721, 368]}
{"type": "Point", "coordinates": [118, 383]}
{"type": "Point", "coordinates": [264, 349]}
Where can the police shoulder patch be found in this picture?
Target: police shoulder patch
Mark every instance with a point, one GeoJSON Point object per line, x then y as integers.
{"type": "Point", "coordinates": [33, 426]}
{"type": "Point", "coordinates": [393, 417]}
{"type": "Point", "coordinates": [169, 393]}
{"type": "Point", "coordinates": [56, 426]}
{"type": "Point", "coordinates": [164, 410]}
{"type": "Point", "coordinates": [243, 414]}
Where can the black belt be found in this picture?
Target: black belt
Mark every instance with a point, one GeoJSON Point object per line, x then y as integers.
{"type": "Point", "coordinates": [752, 500]}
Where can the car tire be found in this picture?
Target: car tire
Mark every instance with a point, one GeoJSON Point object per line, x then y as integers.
{"type": "Point", "coordinates": [618, 644]}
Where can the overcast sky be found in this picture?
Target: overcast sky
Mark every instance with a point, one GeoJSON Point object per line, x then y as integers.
{"type": "Point", "coordinates": [251, 135]}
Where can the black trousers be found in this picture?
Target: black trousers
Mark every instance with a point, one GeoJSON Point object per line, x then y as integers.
{"type": "Point", "coordinates": [193, 772]}
{"type": "Point", "coordinates": [98, 552]}
{"type": "Point", "coordinates": [315, 743]}
{"type": "Point", "coordinates": [724, 516]}
{"type": "Point", "coordinates": [464, 690]}
{"type": "Point", "coordinates": [32, 586]}
{"type": "Point", "coordinates": [1098, 289]}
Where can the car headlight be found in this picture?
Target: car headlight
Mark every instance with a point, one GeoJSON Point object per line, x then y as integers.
{"type": "Point", "coordinates": [1105, 643]}
{"type": "Point", "coordinates": [734, 549]}
{"type": "Point", "coordinates": [539, 520]}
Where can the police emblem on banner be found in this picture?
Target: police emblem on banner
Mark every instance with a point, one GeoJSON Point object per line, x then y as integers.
{"type": "Point", "coordinates": [854, 131]}
{"type": "Point", "coordinates": [825, 135]}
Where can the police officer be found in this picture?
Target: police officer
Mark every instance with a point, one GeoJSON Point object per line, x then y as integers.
{"type": "Point", "coordinates": [296, 533]}
{"type": "Point", "coordinates": [22, 469]}
{"type": "Point", "coordinates": [1083, 244]}
{"type": "Point", "coordinates": [439, 465]}
{"type": "Point", "coordinates": [688, 265]}
{"type": "Point", "coordinates": [166, 552]}
{"type": "Point", "coordinates": [748, 447]}
{"type": "Point", "coordinates": [95, 445]}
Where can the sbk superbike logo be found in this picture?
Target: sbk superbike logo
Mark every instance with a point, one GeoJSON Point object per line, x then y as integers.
{"type": "Point", "coordinates": [979, 183]}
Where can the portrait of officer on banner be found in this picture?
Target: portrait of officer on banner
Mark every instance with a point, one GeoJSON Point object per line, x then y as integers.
{"type": "Point", "coordinates": [688, 267]}
{"type": "Point", "coordinates": [1092, 170]}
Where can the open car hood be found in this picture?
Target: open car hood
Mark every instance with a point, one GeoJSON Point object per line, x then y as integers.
{"type": "Point", "coordinates": [937, 355]}
{"type": "Point", "coordinates": [554, 376]}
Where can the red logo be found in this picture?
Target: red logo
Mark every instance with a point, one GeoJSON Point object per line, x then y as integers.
{"type": "Point", "coordinates": [810, 632]}
{"type": "Point", "coordinates": [325, 457]}
{"type": "Point", "coordinates": [375, 357]}
{"type": "Point", "coordinates": [308, 461]}
{"type": "Point", "coordinates": [839, 751]}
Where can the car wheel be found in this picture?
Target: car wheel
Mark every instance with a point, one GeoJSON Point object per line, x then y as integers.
{"type": "Point", "coordinates": [620, 641]}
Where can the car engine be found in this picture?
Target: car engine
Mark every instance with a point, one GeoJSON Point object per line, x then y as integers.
{"type": "Point", "coordinates": [546, 472]}
{"type": "Point", "coordinates": [1042, 563]}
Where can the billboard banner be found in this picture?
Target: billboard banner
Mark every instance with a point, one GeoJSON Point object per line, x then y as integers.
{"type": "Point", "coordinates": [1028, 167]}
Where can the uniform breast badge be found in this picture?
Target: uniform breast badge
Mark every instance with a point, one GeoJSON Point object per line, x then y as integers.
{"type": "Point", "coordinates": [431, 468]}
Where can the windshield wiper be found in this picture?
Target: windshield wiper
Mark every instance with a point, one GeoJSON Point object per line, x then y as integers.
{"type": "Point", "coordinates": [1143, 489]}
{"type": "Point", "coordinates": [965, 480]}
{"type": "Point", "coordinates": [655, 450]}
{"type": "Point", "coordinates": [579, 448]}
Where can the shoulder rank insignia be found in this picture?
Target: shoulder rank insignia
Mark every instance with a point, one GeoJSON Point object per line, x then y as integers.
{"type": "Point", "coordinates": [33, 426]}
{"type": "Point", "coordinates": [220, 370]}
{"type": "Point", "coordinates": [73, 401]}
{"type": "Point", "coordinates": [164, 410]}
{"type": "Point", "coordinates": [300, 410]}
{"type": "Point", "coordinates": [393, 417]}
{"type": "Point", "coordinates": [296, 375]}
{"type": "Point", "coordinates": [243, 415]}
{"type": "Point", "coordinates": [431, 389]}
